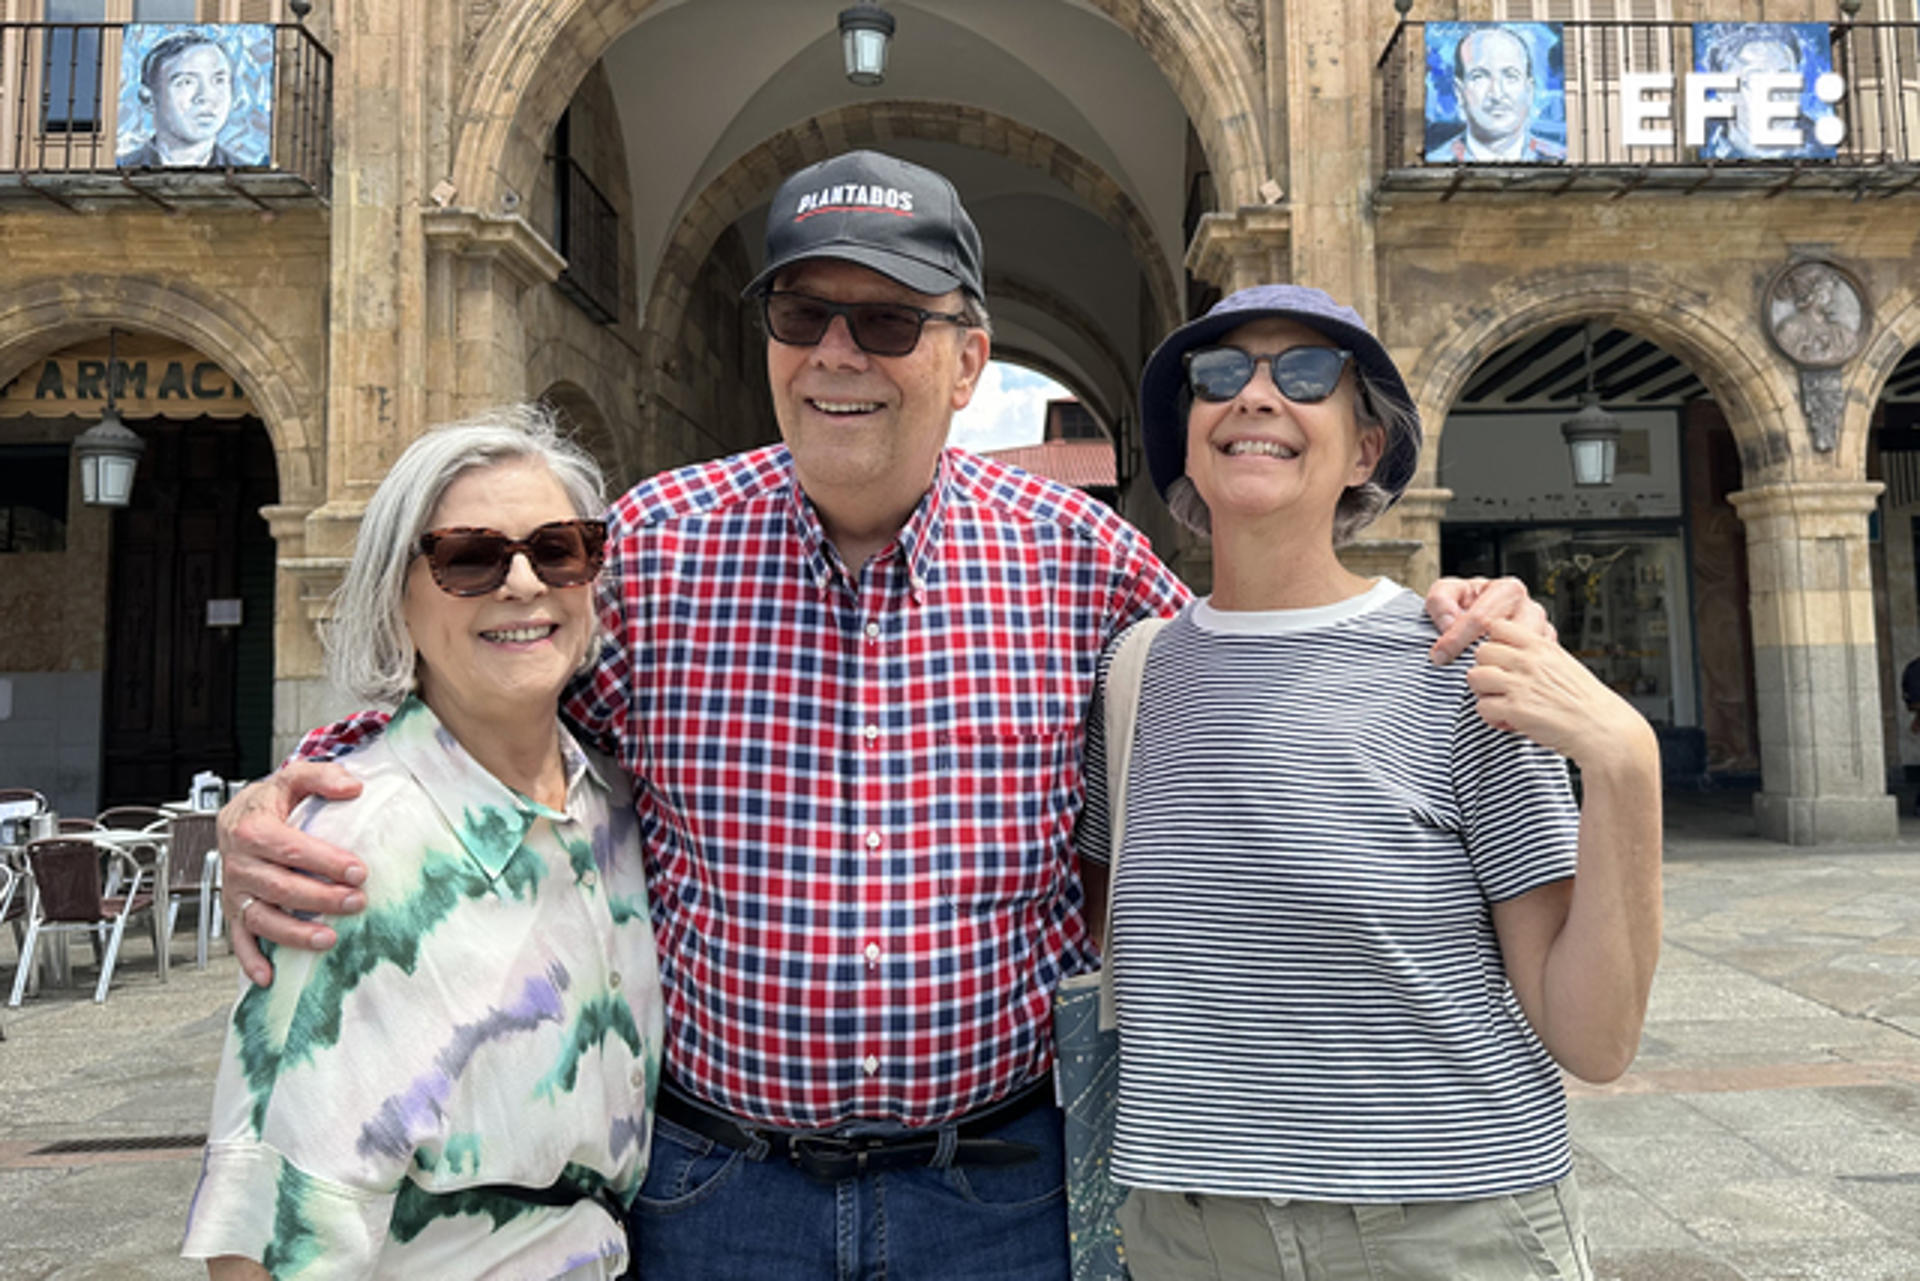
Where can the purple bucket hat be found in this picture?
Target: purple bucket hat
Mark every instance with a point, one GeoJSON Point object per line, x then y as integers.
{"type": "Point", "coordinates": [1163, 403]}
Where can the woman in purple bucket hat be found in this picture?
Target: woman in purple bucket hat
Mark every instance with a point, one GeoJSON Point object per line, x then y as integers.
{"type": "Point", "coordinates": [1360, 924]}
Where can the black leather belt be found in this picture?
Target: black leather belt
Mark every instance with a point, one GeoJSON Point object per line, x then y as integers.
{"type": "Point", "coordinates": [831, 1155]}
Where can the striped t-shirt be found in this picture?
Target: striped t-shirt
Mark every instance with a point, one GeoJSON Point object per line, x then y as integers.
{"type": "Point", "coordinates": [1311, 996]}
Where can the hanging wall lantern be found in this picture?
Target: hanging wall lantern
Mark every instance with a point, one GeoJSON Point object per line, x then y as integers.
{"type": "Point", "coordinates": [1592, 435]}
{"type": "Point", "coordinates": [865, 31]}
{"type": "Point", "coordinates": [108, 452]}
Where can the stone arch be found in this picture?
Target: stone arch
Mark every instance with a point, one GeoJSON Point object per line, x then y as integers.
{"type": "Point", "coordinates": [1068, 313]}
{"type": "Point", "coordinates": [39, 319]}
{"type": "Point", "coordinates": [581, 416]}
{"type": "Point", "coordinates": [1897, 333]}
{"type": "Point", "coordinates": [1722, 347]}
{"type": "Point", "coordinates": [1072, 380]}
{"type": "Point", "coordinates": [749, 179]}
{"type": "Point", "coordinates": [533, 54]}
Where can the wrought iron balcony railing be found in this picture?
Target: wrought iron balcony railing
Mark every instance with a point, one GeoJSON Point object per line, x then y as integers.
{"type": "Point", "coordinates": [1570, 106]}
{"type": "Point", "coordinates": [587, 229]}
{"type": "Point", "coordinates": [80, 121]}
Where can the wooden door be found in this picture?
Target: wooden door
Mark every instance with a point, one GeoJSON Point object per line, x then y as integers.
{"type": "Point", "coordinates": [193, 534]}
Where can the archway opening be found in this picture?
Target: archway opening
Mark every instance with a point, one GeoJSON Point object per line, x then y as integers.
{"type": "Point", "coordinates": [1645, 577]}
{"type": "Point", "coordinates": [1023, 415]}
{"type": "Point", "coordinates": [1893, 458]}
{"type": "Point", "coordinates": [145, 651]}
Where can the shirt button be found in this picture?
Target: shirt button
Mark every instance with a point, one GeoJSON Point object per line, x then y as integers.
{"type": "Point", "coordinates": [873, 840]}
{"type": "Point", "coordinates": [918, 583]}
{"type": "Point", "coordinates": [589, 880]}
{"type": "Point", "coordinates": [873, 631]}
{"type": "Point", "coordinates": [873, 953]}
{"type": "Point", "coordinates": [871, 732]}
{"type": "Point", "coordinates": [639, 1078]}
{"type": "Point", "coordinates": [613, 979]}
{"type": "Point", "coordinates": [872, 1064]}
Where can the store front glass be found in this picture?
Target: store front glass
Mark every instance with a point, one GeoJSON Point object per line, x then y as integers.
{"type": "Point", "coordinates": [1609, 565]}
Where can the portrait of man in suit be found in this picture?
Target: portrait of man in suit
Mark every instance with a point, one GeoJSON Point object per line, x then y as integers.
{"type": "Point", "coordinates": [1485, 103]}
{"type": "Point", "coordinates": [190, 85]}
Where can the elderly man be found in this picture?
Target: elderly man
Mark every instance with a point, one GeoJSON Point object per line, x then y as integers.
{"type": "Point", "coordinates": [848, 673]}
{"type": "Point", "coordinates": [1493, 70]}
{"type": "Point", "coordinates": [186, 81]}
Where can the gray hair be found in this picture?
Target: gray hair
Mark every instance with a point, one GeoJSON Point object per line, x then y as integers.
{"type": "Point", "coordinates": [1360, 505]}
{"type": "Point", "coordinates": [369, 652]}
{"type": "Point", "coordinates": [975, 312]}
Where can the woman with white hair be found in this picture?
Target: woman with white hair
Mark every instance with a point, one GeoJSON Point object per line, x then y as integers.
{"type": "Point", "coordinates": [1359, 924]}
{"type": "Point", "coordinates": [463, 1085]}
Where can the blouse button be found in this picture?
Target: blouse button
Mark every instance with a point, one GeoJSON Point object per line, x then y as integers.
{"type": "Point", "coordinates": [872, 1065]}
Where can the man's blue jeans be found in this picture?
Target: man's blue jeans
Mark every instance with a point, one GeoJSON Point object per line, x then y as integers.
{"type": "Point", "coordinates": [708, 1213]}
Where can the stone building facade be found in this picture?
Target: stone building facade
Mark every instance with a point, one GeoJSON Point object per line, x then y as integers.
{"type": "Point", "coordinates": [562, 199]}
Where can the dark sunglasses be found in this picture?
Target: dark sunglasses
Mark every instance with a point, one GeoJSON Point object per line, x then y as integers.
{"type": "Point", "coordinates": [468, 560]}
{"type": "Point", "coordinates": [878, 328]}
{"type": "Point", "coordinates": [1304, 375]}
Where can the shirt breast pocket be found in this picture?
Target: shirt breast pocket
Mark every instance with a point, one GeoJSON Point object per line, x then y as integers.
{"type": "Point", "coordinates": [1002, 809]}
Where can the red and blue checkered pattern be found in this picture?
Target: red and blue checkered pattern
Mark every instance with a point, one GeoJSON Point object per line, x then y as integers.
{"type": "Point", "coordinates": [857, 790]}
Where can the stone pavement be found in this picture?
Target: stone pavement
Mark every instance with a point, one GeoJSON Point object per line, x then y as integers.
{"type": "Point", "coordinates": [1770, 1130]}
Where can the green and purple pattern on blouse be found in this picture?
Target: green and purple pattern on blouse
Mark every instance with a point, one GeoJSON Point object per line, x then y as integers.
{"type": "Point", "coordinates": [493, 1017]}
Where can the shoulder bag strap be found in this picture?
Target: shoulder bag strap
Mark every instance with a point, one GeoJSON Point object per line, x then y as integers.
{"type": "Point", "coordinates": [1122, 703]}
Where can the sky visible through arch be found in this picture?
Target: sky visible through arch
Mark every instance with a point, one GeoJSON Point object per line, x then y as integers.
{"type": "Point", "coordinates": [1008, 409]}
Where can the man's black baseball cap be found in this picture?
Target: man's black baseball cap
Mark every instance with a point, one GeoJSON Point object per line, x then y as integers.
{"type": "Point", "coordinates": [876, 211]}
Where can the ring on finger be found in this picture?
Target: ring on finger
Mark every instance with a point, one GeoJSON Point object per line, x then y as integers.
{"type": "Point", "coordinates": [246, 901]}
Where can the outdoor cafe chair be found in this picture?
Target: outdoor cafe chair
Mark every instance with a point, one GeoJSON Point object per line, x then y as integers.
{"type": "Point", "coordinates": [193, 871]}
{"type": "Point", "coordinates": [13, 900]}
{"type": "Point", "coordinates": [70, 896]}
{"type": "Point", "coordinates": [74, 826]}
{"type": "Point", "coordinates": [136, 818]}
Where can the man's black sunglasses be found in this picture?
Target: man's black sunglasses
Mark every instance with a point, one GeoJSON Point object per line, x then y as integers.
{"type": "Point", "coordinates": [878, 328]}
{"type": "Point", "coordinates": [1304, 375]}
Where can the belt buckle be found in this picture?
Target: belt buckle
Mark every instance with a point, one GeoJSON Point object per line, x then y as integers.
{"type": "Point", "coordinates": [829, 1156]}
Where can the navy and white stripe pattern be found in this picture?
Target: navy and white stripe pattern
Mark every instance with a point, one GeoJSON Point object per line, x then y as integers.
{"type": "Point", "coordinates": [1311, 995]}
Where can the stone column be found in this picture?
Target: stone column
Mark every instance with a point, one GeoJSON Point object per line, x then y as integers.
{"type": "Point", "coordinates": [1404, 544]}
{"type": "Point", "coordinates": [1329, 144]}
{"type": "Point", "coordinates": [1253, 246]}
{"type": "Point", "coordinates": [1816, 675]}
{"type": "Point", "coordinates": [302, 695]}
{"type": "Point", "coordinates": [478, 266]}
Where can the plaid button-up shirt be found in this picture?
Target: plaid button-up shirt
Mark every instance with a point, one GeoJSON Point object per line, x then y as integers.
{"type": "Point", "coordinates": [857, 793]}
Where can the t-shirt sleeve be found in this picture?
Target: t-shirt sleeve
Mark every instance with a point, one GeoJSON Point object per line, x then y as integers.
{"type": "Point", "coordinates": [1093, 831]}
{"type": "Point", "coordinates": [1521, 826]}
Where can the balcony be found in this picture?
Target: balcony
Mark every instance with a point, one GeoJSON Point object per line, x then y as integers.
{"type": "Point", "coordinates": [248, 121]}
{"type": "Point", "coordinates": [1612, 107]}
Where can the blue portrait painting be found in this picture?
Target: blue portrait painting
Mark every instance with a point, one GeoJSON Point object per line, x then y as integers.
{"type": "Point", "coordinates": [1495, 93]}
{"type": "Point", "coordinates": [1744, 49]}
{"type": "Point", "coordinates": [195, 96]}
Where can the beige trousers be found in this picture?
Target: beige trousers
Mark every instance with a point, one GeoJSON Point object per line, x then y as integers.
{"type": "Point", "coordinates": [1531, 1236]}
